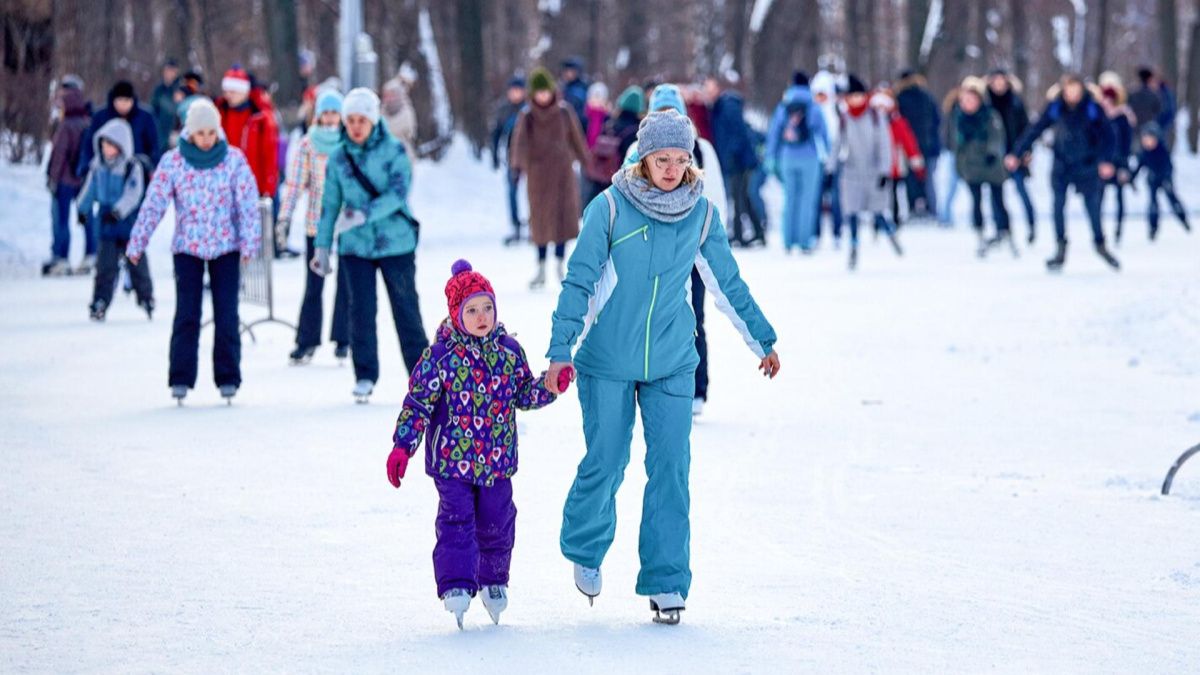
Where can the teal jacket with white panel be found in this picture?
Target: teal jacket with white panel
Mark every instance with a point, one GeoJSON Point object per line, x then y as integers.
{"type": "Point", "coordinates": [626, 298]}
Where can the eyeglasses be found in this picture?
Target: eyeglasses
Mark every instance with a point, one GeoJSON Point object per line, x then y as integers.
{"type": "Point", "coordinates": [680, 162]}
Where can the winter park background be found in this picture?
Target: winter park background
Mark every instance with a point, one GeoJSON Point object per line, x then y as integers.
{"type": "Point", "coordinates": [957, 469]}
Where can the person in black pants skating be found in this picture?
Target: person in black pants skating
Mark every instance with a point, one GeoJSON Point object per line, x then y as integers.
{"type": "Point", "coordinates": [1084, 147]}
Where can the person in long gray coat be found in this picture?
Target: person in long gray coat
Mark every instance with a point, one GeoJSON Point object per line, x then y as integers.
{"type": "Point", "coordinates": [865, 153]}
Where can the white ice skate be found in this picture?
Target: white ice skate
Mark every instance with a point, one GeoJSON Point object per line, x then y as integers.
{"type": "Point", "coordinates": [362, 391]}
{"type": "Point", "coordinates": [457, 600]}
{"type": "Point", "coordinates": [666, 607]}
{"type": "Point", "coordinates": [228, 391]}
{"type": "Point", "coordinates": [86, 265]}
{"type": "Point", "coordinates": [495, 600]}
{"type": "Point", "coordinates": [588, 581]}
{"type": "Point", "coordinates": [179, 392]}
{"type": "Point", "coordinates": [697, 406]}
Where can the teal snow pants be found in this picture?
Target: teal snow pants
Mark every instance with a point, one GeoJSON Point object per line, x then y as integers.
{"type": "Point", "coordinates": [590, 515]}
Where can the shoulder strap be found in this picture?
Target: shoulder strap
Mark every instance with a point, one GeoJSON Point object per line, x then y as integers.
{"type": "Point", "coordinates": [707, 224]}
{"type": "Point", "coordinates": [360, 177]}
{"type": "Point", "coordinates": [612, 215]}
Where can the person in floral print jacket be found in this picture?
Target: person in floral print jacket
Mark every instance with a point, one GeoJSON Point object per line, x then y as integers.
{"type": "Point", "coordinates": [216, 222]}
{"type": "Point", "coordinates": [462, 399]}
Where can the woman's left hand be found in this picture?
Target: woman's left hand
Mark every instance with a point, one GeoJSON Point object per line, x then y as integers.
{"type": "Point", "coordinates": [770, 365]}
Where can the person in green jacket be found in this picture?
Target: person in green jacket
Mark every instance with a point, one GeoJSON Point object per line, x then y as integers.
{"type": "Point", "coordinates": [365, 205]}
{"type": "Point", "coordinates": [625, 299]}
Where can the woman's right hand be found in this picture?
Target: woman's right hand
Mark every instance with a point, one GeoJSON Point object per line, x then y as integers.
{"type": "Point", "coordinates": [552, 376]}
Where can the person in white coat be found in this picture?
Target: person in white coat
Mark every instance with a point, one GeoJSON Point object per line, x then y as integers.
{"type": "Point", "coordinates": [669, 97]}
{"type": "Point", "coordinates": [824, 88]}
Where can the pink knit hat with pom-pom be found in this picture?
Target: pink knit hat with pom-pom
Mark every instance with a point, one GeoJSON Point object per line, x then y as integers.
{"type": "Point", "coordinates": [465, 283]}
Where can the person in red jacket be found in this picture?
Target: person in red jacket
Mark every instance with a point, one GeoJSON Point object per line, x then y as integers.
{"type": "Point", "coordinates": [248, 119]}
{"type": "Point", "coordinates": [906, 154]}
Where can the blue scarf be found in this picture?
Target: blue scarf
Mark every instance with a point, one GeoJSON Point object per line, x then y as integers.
{"type": "Point", "coordinates": [203, 159]}
{"type": "Point", "coordinates": [325, 139]}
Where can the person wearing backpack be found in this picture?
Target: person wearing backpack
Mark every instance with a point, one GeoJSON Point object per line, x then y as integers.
{"type": "Point", "coordinates": [109, 203]}
{"type": "Point", "coordinates": [546, 142]}
{"type": "Point", "coordinates": [365, 203]}
{"type": "Point", "coordinates": [650, 229]}
{"type": "Point", "coordinates": [797, 146]}
{"type": "Point", "coordinates": [609, 151]}
{"type": "Point", "coordinates": [1084, 148]}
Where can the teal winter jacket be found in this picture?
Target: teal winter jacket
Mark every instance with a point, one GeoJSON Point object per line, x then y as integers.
{"type": "Point", "coordinates": [627, 301]}
{"type": "Point", "coordinates": [388, 229]}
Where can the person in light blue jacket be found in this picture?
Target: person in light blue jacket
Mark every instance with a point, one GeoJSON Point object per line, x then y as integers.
{"type": "Point", "coordinates": [797, 146]}
{"type": "Point", "coordinates": [625, 300]}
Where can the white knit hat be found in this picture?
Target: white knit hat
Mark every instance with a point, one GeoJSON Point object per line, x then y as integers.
{"type": "Point", "coordinates": [201, 114]}
{"type": "Point", "coordinates": [361, 101]}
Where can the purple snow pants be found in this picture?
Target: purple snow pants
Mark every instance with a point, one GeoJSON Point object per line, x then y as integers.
{"type": "Point", "coordinates": [475, 531]}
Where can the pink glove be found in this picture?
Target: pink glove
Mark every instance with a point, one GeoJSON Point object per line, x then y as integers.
{"type": "Point", "coordinates": [396, 465]}
{"type": "Point", "coordinates": [564, 378]}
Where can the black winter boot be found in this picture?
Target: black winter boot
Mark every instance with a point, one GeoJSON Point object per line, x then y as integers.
{"type": "Point", "coordinates": [1102, 251]}
{"type": "Point", "coordinates": [1060, 256]}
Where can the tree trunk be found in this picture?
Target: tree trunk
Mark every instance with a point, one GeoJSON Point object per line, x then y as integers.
{"type": "Point", "coordinates": [1168, 38]}
{"type": "Point", "coordinates": [1193, 87]}
{"type": "Point", "coordinates": [280, 17]}
{"type": "Point", "coordinates": [917, 18]}
{"type": "Point", "coordinates": [869, 24]}
{"type": "Point", "coordinates": [1097, 56]}
{"type": "Point", "coordinates": [854, 40]}
{"type": "Point", "coordinates": [469, 25]}
{"type": "Point", "coordinates": [1020, 39]}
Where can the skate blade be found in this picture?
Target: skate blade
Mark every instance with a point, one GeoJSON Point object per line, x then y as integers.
{"type": "Point", "coordinates": [495, 617]}
{"type": "Point", "coordinates": [669, 617]}
{"type": "Point", "coordinates": [591, 598]}
{"type": "Point", "coordinates": [459, 618]}
{"type": "Point", "coordinates": [362, 400]}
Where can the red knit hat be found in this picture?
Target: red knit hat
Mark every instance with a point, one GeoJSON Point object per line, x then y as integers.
{"type": "Point", "coordinates": [465, 283]}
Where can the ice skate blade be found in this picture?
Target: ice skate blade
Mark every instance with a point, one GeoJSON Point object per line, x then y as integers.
{"type": "Point", "coordinates": [459, 619]}
{"type": "Point", "coordinates": [591, 598]}
{"type": "Point", "coordinates": [362, 400]}
{"type": "Point", "coordinates": [668, 617]}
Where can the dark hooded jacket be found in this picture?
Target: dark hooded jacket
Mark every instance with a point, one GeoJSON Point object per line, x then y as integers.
{"type": "Point", "coordinates": [145, 133]}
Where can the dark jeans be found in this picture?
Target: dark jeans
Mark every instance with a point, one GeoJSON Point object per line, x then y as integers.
{"type": "Point", "coordinates": [925, 191]}
{"type": "Point", "coordinates": [1020, 178]}
{"type": "Point", "coordinates": [60, 223]}
{"type": "Point", "coordinates": [308, 329]}
{"type": "Point", "coordinates": [999, 212]}
{"type": "Point", "coordinates": [223, 280]}
{"type": "Point", "coordinates": [881, 223]}
{"type": "Point", "coordinates": [475, 527]}
{"type": "Point", "coordinates": [1155, 185]}
{"type": "Point", "coordinates": [399, 277]}
{"type": "Point", "coordinates": [1087, 183]}
{"type": "Point", "coordinates": [560, 251]}
{"type": "Point", "coordinates": [701, 338]}
{"type": "Point", "coordinates": [829, 187]}
{"type": "Point", "coordinates": [758, 179]}
{"type": "Point", "coordinates": [514, 180]}
{"type": "Point", "coordinates": [108, 265]}
{"type": "Point", "coordinates": [738, 187]}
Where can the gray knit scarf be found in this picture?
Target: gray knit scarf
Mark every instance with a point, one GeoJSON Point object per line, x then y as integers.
{"type": "Point", "coordinates": [669, 207]}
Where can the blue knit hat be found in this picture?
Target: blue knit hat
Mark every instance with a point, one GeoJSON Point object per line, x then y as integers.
{"type": "Point", "coordinates": [663, 130]}
{"type": "Point", "coordinates": [667, 96]}
{"type": "Point", "coordinates": [329, 100]}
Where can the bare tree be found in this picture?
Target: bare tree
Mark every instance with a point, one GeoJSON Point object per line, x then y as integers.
{"type": "Point", "coordinates": [284, 47]}
{"type": "Point", "coordinates": [1168, 38]}
{"type": "Point", "coordinates": [470, 43]}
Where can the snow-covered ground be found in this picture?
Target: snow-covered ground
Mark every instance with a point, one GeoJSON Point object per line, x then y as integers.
{"type": "Point", "coordinates": [957, 469]}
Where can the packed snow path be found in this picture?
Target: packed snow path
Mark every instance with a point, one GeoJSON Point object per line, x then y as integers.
{"type": "Point", "coordinates": [956, 470]}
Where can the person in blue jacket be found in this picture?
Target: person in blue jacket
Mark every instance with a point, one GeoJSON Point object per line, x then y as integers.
{"type": "Point", "coordinates": [625, 301]}
{"type": "Point", "coordinates": [797, 146]}
{"type": "Point", "coordinates": [123, 104]}
{"type": "Point", "coordinates": [734, 143]}
{"type": "Point", "coordinates": [1084, 148]}
{"type": "Point", "coordinates": [1154, 158]}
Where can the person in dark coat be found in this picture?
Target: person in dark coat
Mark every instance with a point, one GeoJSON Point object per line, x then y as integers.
{"type": "Point", "coordinates": [978, 141]}
{"type": "Point", "coordinates": [1154, 103]}
{"type": "Point", "coordinates": [1083, 153]}
{"type": "Point", "coordinates": [63, 180]}
{"type": "Point", "coordinates": [1003, 97]}
{"type": "Point", "coordinates": [920, 109]}
{"type": "Point", "coordinates": [162, 103]}
{"type": "Point", "coordinates": [575, 89]}
{"type": "Point", "coordinates": [736, 151]}
{"type": "Point", "coordinates": [502, 134]}
{"type": "Point", "coordinates": [1154, 157]}
{"type": "Point", "coordinates": [123, 103]}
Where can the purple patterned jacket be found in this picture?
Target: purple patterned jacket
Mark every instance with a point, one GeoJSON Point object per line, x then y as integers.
{"type": "Point", "coordinates": [464, 392]}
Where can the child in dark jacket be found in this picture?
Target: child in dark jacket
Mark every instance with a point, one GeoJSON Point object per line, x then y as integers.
{"type": "Point", "coordinates": [109, 202]}
{"type": "Point", "coordinates": [463, 396]}
{"type": "Point", "coordinates": [1155, 159]}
